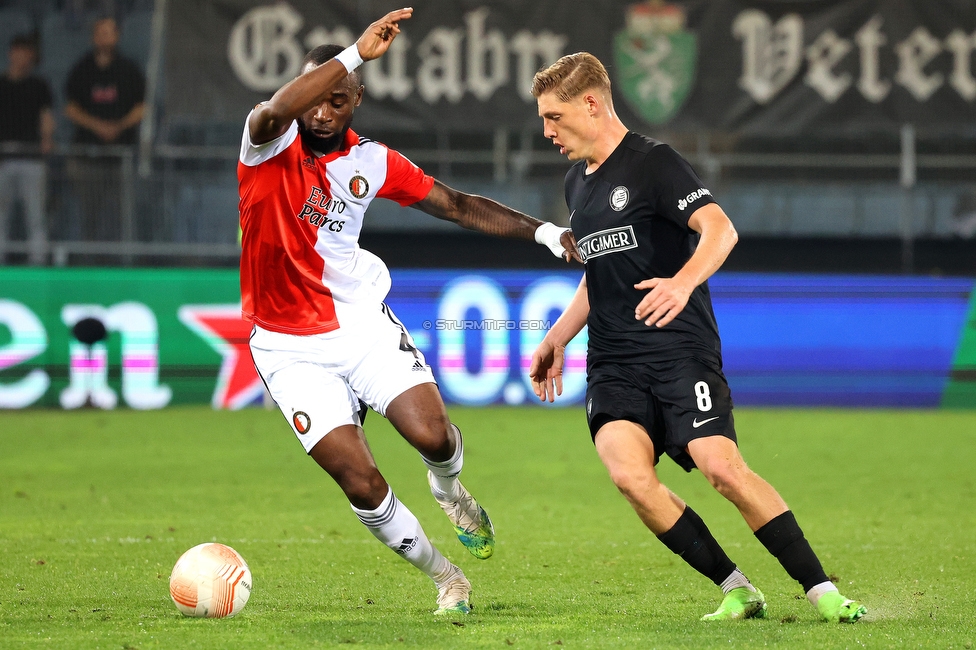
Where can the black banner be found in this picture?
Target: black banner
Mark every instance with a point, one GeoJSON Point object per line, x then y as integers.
{"type": "Point", "coordinates": [779, 67]}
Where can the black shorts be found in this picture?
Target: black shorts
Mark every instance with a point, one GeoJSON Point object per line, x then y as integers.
{"type": "Point", "coordinates": [675, 401]}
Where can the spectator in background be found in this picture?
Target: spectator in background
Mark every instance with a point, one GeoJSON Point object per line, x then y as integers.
{"type": "Point", "coordinates": [105, 103]}
{"type": "Point", "coordinates": [26, 133]}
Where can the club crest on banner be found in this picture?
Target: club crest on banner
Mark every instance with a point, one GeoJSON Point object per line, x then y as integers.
{"type": "Point", "coordinates": [656, 59]}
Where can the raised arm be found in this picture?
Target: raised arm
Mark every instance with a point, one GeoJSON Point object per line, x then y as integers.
{"type": "Point", "coordinates": [668, 296]}
{"type": "Point", "coordinates": [491, 217]}
{"type": "Point", "coordinates": [271, 119]}
{"type": "Point", "coordinates": [546, 371]}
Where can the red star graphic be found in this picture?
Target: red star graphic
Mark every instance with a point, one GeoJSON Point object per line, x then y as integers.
{"type": "Point", "coordinates": [222, 327]}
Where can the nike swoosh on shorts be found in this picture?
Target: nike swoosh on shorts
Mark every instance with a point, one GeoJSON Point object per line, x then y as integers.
{"type": "Point", "coordinates": [697, 424]}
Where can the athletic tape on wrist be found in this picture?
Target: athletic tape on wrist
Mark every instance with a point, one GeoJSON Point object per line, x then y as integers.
{"type": "Point", "coordinates": [350, 58]}
{"type": "Point", "coordinates": [549, 234]}
{"type": "Point", "coordinates": [543, 234]}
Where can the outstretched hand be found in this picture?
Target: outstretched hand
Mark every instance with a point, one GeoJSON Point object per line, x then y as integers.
{"type": "Point", "coordinates": [377, 38]}
{"type": "Point", "coordinates": [546, 371]}
{"type": "Point", "coordinates": [568, 240]}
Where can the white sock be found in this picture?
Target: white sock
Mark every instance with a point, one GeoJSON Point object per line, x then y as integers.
{"type": "Point", "coordinates": [444, 485]}
{"type": "Point", "coordinates": [735, 580]}
{"type": "Point", "coordinates": [394, 525]}
{"type": "Point", "coordinates": [817, 591]}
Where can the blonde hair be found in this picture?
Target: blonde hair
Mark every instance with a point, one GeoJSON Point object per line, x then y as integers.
{"type": "Point", "coordinates": [571, 76]}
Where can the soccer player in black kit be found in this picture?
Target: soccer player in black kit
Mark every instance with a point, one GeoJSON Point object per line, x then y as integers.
{"type": "Point", "coordinates": [650, 235]}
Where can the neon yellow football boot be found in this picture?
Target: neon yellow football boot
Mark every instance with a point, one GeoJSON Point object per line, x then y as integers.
{"type": "Point", "coordinates": [835, 608]}
{"type": "Point", "coordinates": [739, 603]}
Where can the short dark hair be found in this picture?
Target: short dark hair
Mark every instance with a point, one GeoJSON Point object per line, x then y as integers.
{"type": "Point", "coordinates": [24, 40]}
{"type": "Point", "coordinates": [323, 53]}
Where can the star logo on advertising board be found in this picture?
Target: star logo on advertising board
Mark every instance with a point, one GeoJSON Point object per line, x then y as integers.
{"type": "Point", "coordinates": [222, 327]}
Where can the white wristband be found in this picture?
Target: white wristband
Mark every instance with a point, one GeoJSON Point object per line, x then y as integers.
{"type": "Point", "coordinates": [350, 58]}
{"type": "Point", "coordinates": [548, 235]}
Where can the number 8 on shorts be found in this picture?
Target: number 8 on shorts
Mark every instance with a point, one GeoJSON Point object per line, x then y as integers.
{"type": "Point", "coordinates": [704, 397]}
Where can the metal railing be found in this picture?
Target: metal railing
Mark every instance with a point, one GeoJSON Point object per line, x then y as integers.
{"type": "Point", "coordinates": [183, 206]}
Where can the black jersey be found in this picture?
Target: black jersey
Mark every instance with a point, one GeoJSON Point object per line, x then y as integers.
{"type": "Point", "coordinates": [21, 104]}
{"type": "Point", "coordinates": [107, 93]}
{"type": "Point", "coordinates": [630, 219]}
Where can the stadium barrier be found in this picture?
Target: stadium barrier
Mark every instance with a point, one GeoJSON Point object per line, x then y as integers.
{"type": "Point", "coordinates": [147, 339]}
{"type": "Point", "coordinates": [102, 210]}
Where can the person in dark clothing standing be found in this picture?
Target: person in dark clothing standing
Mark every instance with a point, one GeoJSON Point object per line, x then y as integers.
{"type": "Point", "coordinates": [105, 94]}
{"type": "Point", "coordinates": [650, 235]}
{"type": "Point", "coordinates": [26, 134]}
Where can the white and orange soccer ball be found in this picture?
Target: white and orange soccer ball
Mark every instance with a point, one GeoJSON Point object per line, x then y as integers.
{"type": "Point", "coordinates": [210, 580]}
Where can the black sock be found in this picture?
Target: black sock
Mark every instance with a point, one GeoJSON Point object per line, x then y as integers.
{"type": "Point", "coordinates": [783, 538]}
{"type": "Point", "coordinates": [691, 539]}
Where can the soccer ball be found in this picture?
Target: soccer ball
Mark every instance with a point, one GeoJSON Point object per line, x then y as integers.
{"type": "Point", "coordinates": [210, 580]}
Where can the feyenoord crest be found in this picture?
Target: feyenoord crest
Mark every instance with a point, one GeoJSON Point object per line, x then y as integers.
{"type": "Point", "coordinates": [358, 186]}
{"type": "Point", "coordinates": [656, 58]}
{"type": "Point", "coordinates": [302, 422]}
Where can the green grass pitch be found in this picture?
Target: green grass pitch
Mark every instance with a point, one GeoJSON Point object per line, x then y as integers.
{"type": "Point", "coordinates": [96, 507]}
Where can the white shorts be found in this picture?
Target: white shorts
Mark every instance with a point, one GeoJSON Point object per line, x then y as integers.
{"type": "Point", "coordinates": [319, 381]}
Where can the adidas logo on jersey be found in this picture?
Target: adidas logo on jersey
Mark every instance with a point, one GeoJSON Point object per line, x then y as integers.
{"type": "Point", "coordinates": [406, 544]}
{"type": "Point", "coordinates": [309, 162]}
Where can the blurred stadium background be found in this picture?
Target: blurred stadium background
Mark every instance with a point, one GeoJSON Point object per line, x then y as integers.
{"type": "Point", "coordinates": [839, 135]}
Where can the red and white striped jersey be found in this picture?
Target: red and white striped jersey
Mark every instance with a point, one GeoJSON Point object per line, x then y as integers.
{"type": "Point", "coordinates": [301, 215]}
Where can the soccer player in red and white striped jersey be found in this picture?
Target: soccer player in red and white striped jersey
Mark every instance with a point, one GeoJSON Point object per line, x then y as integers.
{"type": "Point", "coordinates": [323, 341]}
